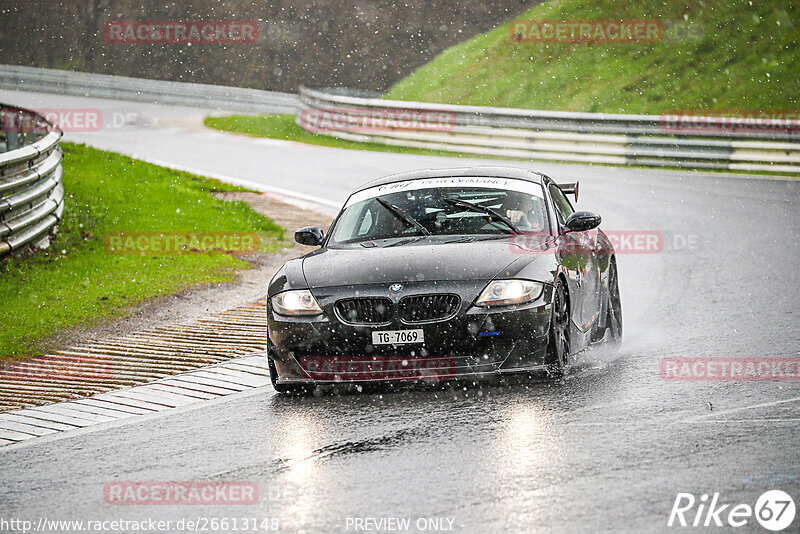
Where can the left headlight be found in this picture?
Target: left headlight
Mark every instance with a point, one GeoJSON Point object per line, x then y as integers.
{"type": "Point", "coordinates": [297, 302]}
{"type": "Point", "coordinates": [508, 292]}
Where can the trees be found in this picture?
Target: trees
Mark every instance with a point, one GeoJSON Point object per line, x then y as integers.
{"type": "Point", "coordinates": [368, 44]}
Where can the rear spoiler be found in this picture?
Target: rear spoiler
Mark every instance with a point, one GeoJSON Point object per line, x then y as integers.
{"type": "Point", "coordinates": [569, 189]}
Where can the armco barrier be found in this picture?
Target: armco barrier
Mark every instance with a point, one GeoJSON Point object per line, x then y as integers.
{"type": "Point", "coordinates": [741, 145]}
{"type": "Point", "coordinates": [216, 97]}
{"type": "Point", "coordinates": [31, 193]}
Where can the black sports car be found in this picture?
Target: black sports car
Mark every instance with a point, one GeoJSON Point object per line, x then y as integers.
{"type": "Point", "coordinates": [444, 274]}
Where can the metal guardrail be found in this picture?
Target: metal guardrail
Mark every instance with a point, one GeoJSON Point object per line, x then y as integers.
{"type": "Point", "coordinates": [31, 193]}
{"type": "Point", "coordinates": [217, 97]}
{"type": "Point", "coordinates": [598, 138]}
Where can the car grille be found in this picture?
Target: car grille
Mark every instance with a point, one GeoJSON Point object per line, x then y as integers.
{"type": "Point", "coordinates": [364, 310]}
{"type": "Point", "coordinates": [426, 308]}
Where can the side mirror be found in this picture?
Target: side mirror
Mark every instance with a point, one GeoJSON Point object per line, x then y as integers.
{"type": "Point", "coordinates": [310, 235]}
{"type": "Point", "coordinates": [580, 221]}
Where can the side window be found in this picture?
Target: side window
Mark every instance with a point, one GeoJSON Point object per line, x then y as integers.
{"type": "Point", "coordinates": [563, 207]}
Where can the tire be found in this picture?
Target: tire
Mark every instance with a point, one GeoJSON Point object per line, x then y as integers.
{"type": "Point", "coordinates": [283, 388]}
{"type": "Point", "coordinates": [557, 358]}
{"type": "Point", "coordinates": [614, 308]}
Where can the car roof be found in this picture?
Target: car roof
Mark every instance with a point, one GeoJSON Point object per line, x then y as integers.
{"type": "Point", "coordinates": [489, 171]}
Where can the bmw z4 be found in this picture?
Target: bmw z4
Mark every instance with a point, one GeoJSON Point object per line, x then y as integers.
{"type": "Point", "coordinates": [446, 274]}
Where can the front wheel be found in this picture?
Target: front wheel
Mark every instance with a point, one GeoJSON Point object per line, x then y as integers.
{"type": "Point", "coordinates": [283, 388]}
{"type": "Point", "coordinates": [557, 357]}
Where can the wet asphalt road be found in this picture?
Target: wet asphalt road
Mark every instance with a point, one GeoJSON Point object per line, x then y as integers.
{"type": "Point", "coordinates": [606, 450]}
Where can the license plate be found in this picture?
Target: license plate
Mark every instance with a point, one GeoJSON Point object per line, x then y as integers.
{"type": "Point", "coordinates": [398, 337]}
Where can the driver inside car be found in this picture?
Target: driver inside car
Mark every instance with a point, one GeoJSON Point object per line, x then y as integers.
{"type": "Point", "coordinates": [525, 213]}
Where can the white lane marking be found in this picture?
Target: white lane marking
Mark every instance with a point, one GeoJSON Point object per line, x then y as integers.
{"type": "Point", "coordinates": [176, 391]}
{"type": "Point", "coordinates": [258, 186]}
{"type": "Point", "coordinates": [748, 421]}
{"type": "Point", "coordinates": [199, 387]}
{"type": "Point", "coordinates": [131, 407]}
{"type": "Point", "coordinates": [19, 417]}
{"type": "Point", "coordinates": [146, 396]}
{"type": "Point", "coordinates": [225, 388]}
{"type": "Point", "coordinates": [242, 378]}
{"type": "Point", "coordinates": [164, 397]}
{"type": "Point", "coordinates": [173, 396]}
{"type": "Point", "coordinates": [236, 373]}
{"type": "Point", "coordinates": [26, 429]}
{"type": "Point", "coordinates": [35, 413]}
{"type": "Point", "coordinates": [92, 408]}
{"type": "Point", "coordinates": [64, 410]}
{"type": "Point", "coordinates": [14, 435]}
{"type": "Point", "coordinates": [127, 401]}
{"type": "Point", "coordinates": [225, 379]}
{"type": "Point", "coordinates": [741, 408]}
{"type": "Point", "coordinates": [256, 361]}
{"type": "Point", "coordinates": [185, 391]}
{"type": "Point", "coordinates": [260, 371]}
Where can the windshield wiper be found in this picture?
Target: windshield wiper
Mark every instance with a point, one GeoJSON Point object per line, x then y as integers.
{"type": "Point", "coordinates": [406, 241]}
{"type": "Point", "coordinates": [402, 214]}
{"type": "Point", "coordinates": [486, 211]}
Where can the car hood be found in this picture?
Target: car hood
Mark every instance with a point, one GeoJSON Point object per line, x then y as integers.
{"type": "Point", "coordinates": [478, 260]}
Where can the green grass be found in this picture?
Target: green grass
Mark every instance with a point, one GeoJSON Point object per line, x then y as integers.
{"type": "Point", "coordinates": [716, 55]}
{"type": "Point", "coordinates": [75, 283]}
{"type": "Point", "coordinates": [282, 126]}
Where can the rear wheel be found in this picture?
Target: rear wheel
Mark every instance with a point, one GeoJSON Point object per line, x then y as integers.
{"type": "Point", "coordinates": [558, 340]}
{"type": "Point", "coordinates": [614, 308]}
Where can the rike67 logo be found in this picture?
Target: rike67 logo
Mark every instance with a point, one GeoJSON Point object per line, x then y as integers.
{"type": "Point", "coordinates": [774, 510]}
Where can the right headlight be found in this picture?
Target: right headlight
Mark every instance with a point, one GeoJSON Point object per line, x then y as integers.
{"type": "Point", "coordinates": [508, 292]}
{"type": "Point", "coordinates": [296, 302]}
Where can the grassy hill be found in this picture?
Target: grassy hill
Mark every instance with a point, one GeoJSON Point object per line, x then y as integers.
{"type": "Point", "coordinates": [715, 55]}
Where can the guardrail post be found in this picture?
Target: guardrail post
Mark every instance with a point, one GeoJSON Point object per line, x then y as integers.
{"type": "Point", "coordinates": [11, 121]}
{"type": "Point", "coordinates": [13, 141]}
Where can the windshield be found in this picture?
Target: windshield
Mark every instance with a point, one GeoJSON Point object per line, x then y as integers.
{"type": "Point", "coordinates": [441, 211]}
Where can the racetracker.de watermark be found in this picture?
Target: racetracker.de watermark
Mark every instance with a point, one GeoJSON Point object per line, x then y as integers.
{"type": "Point", "coordinates": [687, 121]}
{"type": "Point", "coordinates": [166, 243]}
{"type": "Point", "coordinates": [374, 120]}
{"type": "Point", "coordinates": [370, 368]}
{"type": "Point", "coordinates": [58, 368]}
{"type": "Point", "coordinates": [210, 524]}
{"type": "Point", "coordinates": [160, 32]}
{"type": "Point", "coordinates": [66, 119]}
{"type": "Point", "coordinates": [180, 493]}
{"type": "Point", "coordinates": [586, 31]}
{"type": "Point", "coordinates": [730, 369]}
{"type": "Point", "coordinates": [618, 242]}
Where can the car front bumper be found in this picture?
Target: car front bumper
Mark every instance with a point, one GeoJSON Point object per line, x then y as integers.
{"type": "Point", "coordinates": [476, 343]}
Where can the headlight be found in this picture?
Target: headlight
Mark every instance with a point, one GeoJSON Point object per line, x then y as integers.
{"type": "Point", "coordinates": [507, 292]}
{"type": "Point", "coordinates": [298, 302]}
